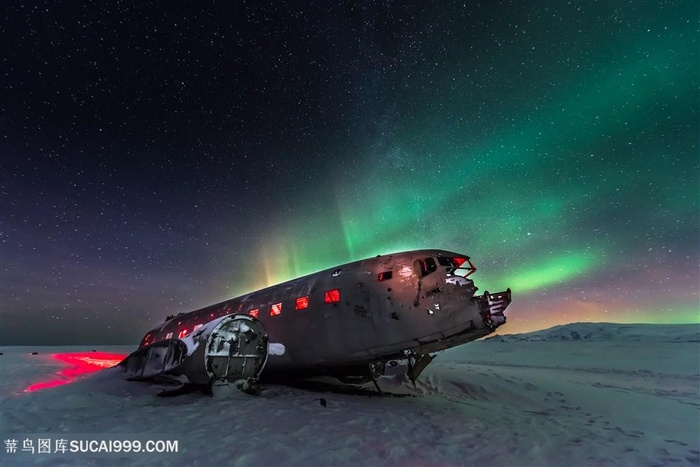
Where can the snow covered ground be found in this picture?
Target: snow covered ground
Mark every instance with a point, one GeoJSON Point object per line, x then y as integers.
{"type": "Point", "coordinates": [580, 394]}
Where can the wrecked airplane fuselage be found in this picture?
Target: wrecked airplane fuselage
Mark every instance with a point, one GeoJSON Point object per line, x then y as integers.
{"type": "Point", "coordinates": [348, 322]}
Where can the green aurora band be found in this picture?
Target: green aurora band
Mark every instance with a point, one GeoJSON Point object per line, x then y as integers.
{"type": "Point", "coordinates": [549, 199]}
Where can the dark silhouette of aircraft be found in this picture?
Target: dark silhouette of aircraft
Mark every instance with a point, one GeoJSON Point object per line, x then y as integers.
{"type": "Point", "coordinates": [352, 322]}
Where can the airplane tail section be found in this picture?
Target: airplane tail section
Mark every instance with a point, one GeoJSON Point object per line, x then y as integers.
{"type": "Point", "coordinates": [231, 349]}
{"type": "Point", "coordinates": [156, 359]}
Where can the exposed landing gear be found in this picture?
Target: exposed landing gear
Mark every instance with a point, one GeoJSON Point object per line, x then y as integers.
{"type": "Point", "coordinates": [411, 365]}
{"type": "Point", "coordinates": [416, 365]}
{"type": "Point", "coordinates": [376, 369]}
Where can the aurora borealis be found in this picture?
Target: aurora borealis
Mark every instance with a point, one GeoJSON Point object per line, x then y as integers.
{"type": "Point", "coordinates": [159, 158]}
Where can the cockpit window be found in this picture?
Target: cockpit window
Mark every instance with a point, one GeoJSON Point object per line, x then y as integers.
{"type": "Point", "coordinates": [425, 266]}
{"type": "Point", "coordinates": [459, 266]}
{"type": "Point", "coordinates": [429, 265]}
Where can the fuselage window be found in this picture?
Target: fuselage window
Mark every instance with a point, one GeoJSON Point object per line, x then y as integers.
{"type": "Point", "coordinates": [331, 296]}
{"type": "Point", "coordinates": [302, 303]}
{"type": "Point", "coordinates": [147, 340]}
{"type": "Point", "coordinates": [384, 276]}
{"type": "Point", "coordinates": [276, 309]}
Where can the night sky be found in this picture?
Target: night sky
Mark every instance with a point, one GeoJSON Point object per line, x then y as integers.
{"type": "Point", "coordinates": [157, 157]}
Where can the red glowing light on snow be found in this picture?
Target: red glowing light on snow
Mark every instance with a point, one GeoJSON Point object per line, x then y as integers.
{"type": "Point", "coordinates": [79, 364]}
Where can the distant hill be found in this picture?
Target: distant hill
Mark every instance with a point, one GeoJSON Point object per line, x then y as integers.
{"type": "Point", "coordinates": [599, 332]}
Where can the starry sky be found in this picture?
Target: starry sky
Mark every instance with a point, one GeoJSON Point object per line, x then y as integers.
{"type": "Point", "coordinates": [157, 157]}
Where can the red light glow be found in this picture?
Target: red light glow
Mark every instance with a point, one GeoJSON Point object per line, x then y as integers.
{"type": "Point", "coordinates": [147, 340]}
{"type": "Point", "coordinates": [253, 313]}
{"type": "Point", "coordinates": [276, 309]}
{"type": "Point", "coordinates": [302, 303]}
{"type": "Point", "coordinates": [79, 364]}
{"type": "Point", "coordinates": [331, 296]}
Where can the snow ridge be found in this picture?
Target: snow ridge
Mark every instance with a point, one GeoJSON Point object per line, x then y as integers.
{"type": "Point", "coordinates": [601, 332]}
